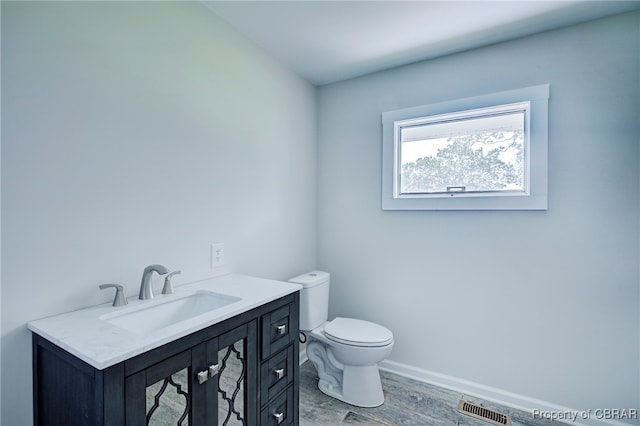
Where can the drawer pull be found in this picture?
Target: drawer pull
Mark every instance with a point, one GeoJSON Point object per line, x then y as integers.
{"type": "Point", "coordinates": [281, 329]}
{"type": "Point", "coordinates": [279, 373]}
{"type": "Point", "coordinates": [203, 376]}
{"type": "Point", "coordinates": [279, 417]}
{"type": "Point", "coordinates": [214, 369]}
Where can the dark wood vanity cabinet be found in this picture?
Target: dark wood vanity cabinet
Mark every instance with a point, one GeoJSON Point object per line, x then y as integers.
{"type": "Point", "coordinates": [243, 370]}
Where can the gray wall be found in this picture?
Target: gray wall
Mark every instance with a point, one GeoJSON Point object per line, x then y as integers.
{"type": "Point", "coordinates": [136, 133]}
{"type": "Point", "coordinates": [541, 304]}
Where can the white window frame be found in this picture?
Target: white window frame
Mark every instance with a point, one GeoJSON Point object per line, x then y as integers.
{"type": "Point", "coordinates": [534, 197]}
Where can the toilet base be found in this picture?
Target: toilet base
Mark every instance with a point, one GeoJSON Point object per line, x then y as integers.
{"type": "Point", "coordinates": [355, 385]}
{"type": "Point", "coordinates": [361, 387]}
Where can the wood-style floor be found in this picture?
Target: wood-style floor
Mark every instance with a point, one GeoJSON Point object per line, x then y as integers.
{"type": "Point", "coordinates": [407, 402]}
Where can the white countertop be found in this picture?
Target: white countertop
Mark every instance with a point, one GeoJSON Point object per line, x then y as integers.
{"type": "Point", "coordinates": [103, 344]}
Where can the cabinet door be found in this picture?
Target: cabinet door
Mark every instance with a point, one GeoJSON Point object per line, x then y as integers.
{"type": "Point", "coordinates": [168, 392]}
{"type": "Point", "coordinates": [214, 382]}
{"type": "Point", "coordinates": [237, 398]}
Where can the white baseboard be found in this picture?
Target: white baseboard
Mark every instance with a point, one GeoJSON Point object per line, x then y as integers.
{"type": "Point", "coordinates": [499, 396]}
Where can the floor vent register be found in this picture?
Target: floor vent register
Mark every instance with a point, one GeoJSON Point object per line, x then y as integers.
{"type": "Point", "coordinates": [482, 413]}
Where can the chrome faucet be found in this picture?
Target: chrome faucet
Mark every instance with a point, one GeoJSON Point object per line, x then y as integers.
{"type": "Point", "coordinates": [146, 292]}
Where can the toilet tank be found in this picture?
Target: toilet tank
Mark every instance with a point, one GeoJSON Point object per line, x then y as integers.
{"type": "Point", "coordinates": [314, 298]}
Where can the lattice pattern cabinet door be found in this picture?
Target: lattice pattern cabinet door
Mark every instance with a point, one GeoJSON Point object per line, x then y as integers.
{"type": "Point", "coordinates": [204, 385]}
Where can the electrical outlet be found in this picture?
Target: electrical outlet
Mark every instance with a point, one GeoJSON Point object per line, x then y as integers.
{"type": "Point", "coordinates": [217, 255]}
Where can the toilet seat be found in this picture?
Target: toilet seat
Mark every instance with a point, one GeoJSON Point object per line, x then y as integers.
{"type": "Point", "coordinates": [355, 332]}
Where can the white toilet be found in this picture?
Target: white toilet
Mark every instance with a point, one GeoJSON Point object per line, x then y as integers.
{"type": "Point", "coordinates": [345, 351]}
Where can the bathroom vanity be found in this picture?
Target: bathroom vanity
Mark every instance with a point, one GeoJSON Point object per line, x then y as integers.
{"type": "Point", "coordinates": [225, 352]}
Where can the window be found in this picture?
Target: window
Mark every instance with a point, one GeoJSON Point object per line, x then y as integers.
{"type": "Point", "coordinates": [482, 153]}
{"type": "Point", "coordinates": [479, 152]}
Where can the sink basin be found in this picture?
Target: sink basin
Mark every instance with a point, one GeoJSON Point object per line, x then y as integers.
{"type": "Point", "coordinates": [158, 314]}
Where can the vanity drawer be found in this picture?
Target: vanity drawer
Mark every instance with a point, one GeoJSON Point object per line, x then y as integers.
{"type": "Point", "coordinates": [277, 330]}
{"type": "Point", "coordinates": [277, 373]}
{"type": "Point", "coordinates": [280, 411]}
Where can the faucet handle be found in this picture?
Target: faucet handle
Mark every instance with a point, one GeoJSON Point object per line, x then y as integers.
{"type": "Point", "coordinates": [168, 287]}
{"type": "Point", "coordinates": [119, 299]}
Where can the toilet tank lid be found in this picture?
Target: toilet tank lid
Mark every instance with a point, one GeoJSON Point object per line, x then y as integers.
{"type": "Point", "coordinates": [311, 279]}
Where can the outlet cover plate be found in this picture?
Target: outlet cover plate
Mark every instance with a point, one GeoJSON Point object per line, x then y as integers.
{"type": "Point", "coordinates": [217, 255]}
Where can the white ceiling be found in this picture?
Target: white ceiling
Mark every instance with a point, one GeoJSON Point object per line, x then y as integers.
{"type": "Point", "coordinates": [329, 41]}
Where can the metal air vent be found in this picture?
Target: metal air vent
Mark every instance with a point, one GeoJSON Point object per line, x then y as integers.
{"type": "Point", "coordinates": [482, 413]}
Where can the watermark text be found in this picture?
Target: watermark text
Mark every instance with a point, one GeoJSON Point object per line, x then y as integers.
{"type": "Point", "coordinates": [596, 413]}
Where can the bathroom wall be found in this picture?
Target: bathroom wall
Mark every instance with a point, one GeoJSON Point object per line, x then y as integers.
{"type": "Point", "coordinates": [544, 305]}
{"type": "Point", "coordinates": [136, 133]}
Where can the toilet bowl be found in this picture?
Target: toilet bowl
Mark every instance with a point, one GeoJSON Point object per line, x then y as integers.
{"type": "Point", "coordinates": [344, 351]}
